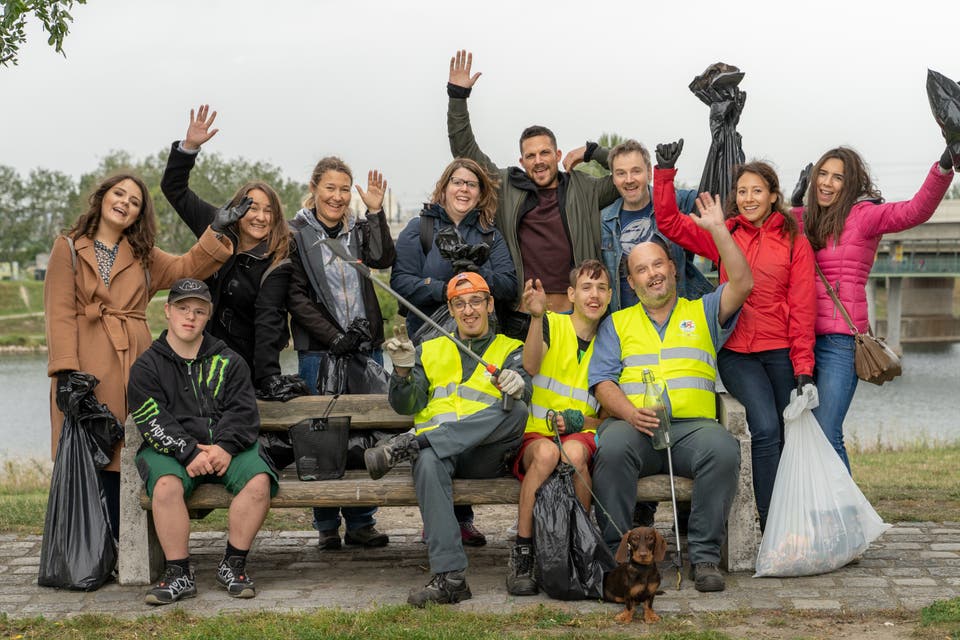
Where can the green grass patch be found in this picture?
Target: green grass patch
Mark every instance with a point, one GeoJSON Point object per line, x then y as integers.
{"type": "Point", "coordinates": [20, 296]}
{"type": "Point", "coordinates": [945, 611]}
{"type": "Point", "coordinates": [386, 623]}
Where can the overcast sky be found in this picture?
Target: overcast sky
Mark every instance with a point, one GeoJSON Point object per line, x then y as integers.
{"type": "Point", "coordinates": [296, 80]}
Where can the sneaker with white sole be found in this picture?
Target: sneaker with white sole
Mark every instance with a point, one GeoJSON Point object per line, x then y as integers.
{"type": "Point", "coordinates": [232, 575]}
{"type": "Point", "coordinates": [174, 584]}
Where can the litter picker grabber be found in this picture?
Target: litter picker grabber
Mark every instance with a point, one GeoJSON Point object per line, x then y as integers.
{"type": "Point", "coordinates": [677, 557]}
{"type": "Point", "coordinates": [341, 252]}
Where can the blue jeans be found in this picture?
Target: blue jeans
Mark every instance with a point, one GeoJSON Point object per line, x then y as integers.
{"type": "Point", "coordinates": [836, 378]}
{"type": "Point", "coordinates": [328, 518]}
{"type": "Point", "coordinates": [762, 382]}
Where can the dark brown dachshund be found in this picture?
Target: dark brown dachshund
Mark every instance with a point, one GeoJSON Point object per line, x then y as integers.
{"type": "Point", "coordinates": [636, 578]}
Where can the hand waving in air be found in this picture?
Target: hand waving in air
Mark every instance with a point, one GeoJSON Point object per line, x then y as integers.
{"type": "Point", "coordinates": [376, 188]}
{"type": "Point", "coordinates": [711, 212]}
{"type": "Point", "coordinates": [460, 66]}
{"type": "Point", "coordinates": [534, 298]}
{"type": "Point", "coordinates": [199, 130]}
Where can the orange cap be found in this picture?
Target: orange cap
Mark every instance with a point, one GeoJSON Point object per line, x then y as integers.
{"type": "Point", "coordinates": [474, 284]}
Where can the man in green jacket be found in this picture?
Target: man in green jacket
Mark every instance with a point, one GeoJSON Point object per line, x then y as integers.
{"type": "Point", "coordinates": [549, 219]}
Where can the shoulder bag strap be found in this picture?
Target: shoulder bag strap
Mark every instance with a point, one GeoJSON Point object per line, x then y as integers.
{"type": "Point", "coordinates": [836, 300]}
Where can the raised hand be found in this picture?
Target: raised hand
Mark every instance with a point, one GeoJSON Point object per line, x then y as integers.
{"type": "Point", "coordinates": [400, 348]}
{"type": "Point", "coordinates": [460, 66]}
{"type": "Point", "coordinates": [667, 154]}
{"type": "Point", "coordinates": [573, 158]}
{"type": "Point", "coordinates": [227, 215]}
{"type": "Point", "coordinates": [711, 212]}
{"type": "Point", "coordinates": [534, 298]}
{"type": "Point", "coordinates": [199, 130]}
{"type": "Point", "coordinates": [376, 188]}
{"type": "Point", "coordinates": [796, 199]}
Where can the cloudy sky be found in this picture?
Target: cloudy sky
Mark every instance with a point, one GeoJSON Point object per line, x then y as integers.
{"type": "Point", "coordinates": [294, 80]}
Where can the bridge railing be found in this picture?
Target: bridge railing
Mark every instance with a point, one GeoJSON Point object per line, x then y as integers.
{"type": "Point", "coordinates": [916, 265]}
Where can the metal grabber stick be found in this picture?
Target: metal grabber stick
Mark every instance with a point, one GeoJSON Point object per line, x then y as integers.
{"type": "Point", "coordinates": [677, 558]}
{"type": "Point", "coordinates": [341, 252]}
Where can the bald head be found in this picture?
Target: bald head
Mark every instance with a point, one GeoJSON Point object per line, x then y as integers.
{"type": "Point", "coordinates": [652, 274]}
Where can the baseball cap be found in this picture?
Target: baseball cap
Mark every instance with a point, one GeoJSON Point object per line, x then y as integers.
{"type": "Point", "coordinates": [189, 288]}
{"type": "Point", "coordinates": [475, 281]}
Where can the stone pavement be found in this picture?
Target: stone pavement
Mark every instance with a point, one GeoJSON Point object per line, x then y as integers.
{"type": "Point", "coordinates": [909, 567]}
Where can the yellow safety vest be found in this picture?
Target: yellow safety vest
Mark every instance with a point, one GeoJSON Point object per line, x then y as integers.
{"type": "Point", "coordinates": [449, 398]}
{"type": "Point", "coordinates": [686, 358]}
{"type": "Point", "coordinates": [562, 381]}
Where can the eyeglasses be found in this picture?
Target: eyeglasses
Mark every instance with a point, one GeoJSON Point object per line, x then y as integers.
{"type": "Point", "coordinates": [475, 303]}
{"type": "Point", "coordinates": [457, 182]}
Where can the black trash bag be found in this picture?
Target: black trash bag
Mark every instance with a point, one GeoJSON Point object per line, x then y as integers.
{"type": "Point", "coordinates": [276, 446]}
{"type": "Point", "coordinates": [717, 88]}
{"type": "Point", "coordinates": [944, 96]}
{"type": "Point", "coordinates": [94, 417]}
{"type": "Point", "coordinates": [283, 388]}
{"type": "Point", "coordinates": [78, 550]}
{"type": "Point", "coordinates": [571, 555]}
{"type": "Point", "coordinates": [331, 375]}
{"type": "Point", "coordinates": [351, 373]}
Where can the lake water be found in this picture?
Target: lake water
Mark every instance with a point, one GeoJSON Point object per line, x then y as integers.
{"type": "Point", "coordinates": [923, 404]}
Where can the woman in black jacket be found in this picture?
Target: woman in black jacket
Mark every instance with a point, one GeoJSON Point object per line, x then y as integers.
{"type": "Point", "coordinates": [250, 290]}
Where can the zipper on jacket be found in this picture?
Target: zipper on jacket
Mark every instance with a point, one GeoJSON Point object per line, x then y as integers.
{"type": "Point", "coordinates": [198, 395]}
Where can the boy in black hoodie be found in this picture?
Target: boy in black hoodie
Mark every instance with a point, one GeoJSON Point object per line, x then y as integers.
{"type": "Point", "coordinates": [195, 407]}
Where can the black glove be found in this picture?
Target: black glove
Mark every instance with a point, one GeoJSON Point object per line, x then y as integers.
{"type": "Point", "coordinates": [227, 215]}
{"type": "Point", "coordinates": [465, 264]}
{"type": "Point", "coordinates": [64, 391]}
{"type": "Point", "coordinates": [796, 199]}
{"type": "Point", "coordinates": [345, 343]}
{"type": "Point", "coordinates": [802, 381]}
{"type": "Point", "coordinates": [946, 160]}
{"type": "Point", "coordinates": [668, 153]}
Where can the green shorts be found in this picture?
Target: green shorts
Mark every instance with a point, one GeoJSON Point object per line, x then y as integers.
{"type": "Point", "coordinates": [243, 467]}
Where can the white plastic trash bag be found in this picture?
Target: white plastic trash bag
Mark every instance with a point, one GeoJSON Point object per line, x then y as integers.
{"type": "Point", "coordinates": [818, 520]}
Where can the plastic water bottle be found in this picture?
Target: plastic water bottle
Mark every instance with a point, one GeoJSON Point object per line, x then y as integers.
{"type": "Point", "coordinates": [653, 399]}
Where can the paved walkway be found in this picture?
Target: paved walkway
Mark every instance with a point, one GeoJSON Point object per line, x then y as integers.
{"type": "Point", "coordinates": [910, 566]}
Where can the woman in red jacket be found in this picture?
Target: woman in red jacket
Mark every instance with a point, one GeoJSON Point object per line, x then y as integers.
{"type": "Point", "coordinates": [771, 350]}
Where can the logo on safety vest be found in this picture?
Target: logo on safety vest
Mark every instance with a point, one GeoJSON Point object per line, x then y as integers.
{"type": "Point", "coordinates": [687, 327]}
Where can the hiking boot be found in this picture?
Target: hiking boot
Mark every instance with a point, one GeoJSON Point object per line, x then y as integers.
{"type": "Point", "coordinates": [175, 583]}
{"type": "Point", "coordinates": [232, 575]}
{"type": "Point", "coordinates": [367, 536]}
{"type": "Point", "coordinates": [707, 577]}
{"type": "Point", "coordinates": [471, 536]}
{"type": "Point", "coordinates": [449, 587]}
{"type": "Point", "coordinates": [520, 579]}
{"type": "Point", "coordinates": [383, 457]}
{"type": "Point", "coordinates": [329, 540]}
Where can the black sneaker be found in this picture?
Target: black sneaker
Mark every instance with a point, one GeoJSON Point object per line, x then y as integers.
{"type": "Point", "coordinates": [175, 583]}
{"type": "Point", "coordinates": [232, 575]}
{"type": "Point", "coordinates": [444, 588]}
{"type": "Point", "coordinates": [707, 577]}
{"type": "Point", "coordinates": [367, 536]}
{"type": "Point", "coordinates": [471, 536]}
{"type": "Point", "coordinates": [329, 540]}
{"type": "Point", "coordinates": [520, 578]}
{"type": "Point", "coordinates": [383, 457]}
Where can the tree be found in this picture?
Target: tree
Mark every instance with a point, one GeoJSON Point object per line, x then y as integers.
{"type": "Point", "coordinates": [54, 15]}
{"type": "Point", "coordinates": [954, 193]}
{"type": "Point", "coordinates": [32, 212]}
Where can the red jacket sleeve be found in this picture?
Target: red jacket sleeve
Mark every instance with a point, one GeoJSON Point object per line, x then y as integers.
{"type": "Point", "coordinates": [802, 307]}
{"type": "Point", "coordinates": [673, 224]}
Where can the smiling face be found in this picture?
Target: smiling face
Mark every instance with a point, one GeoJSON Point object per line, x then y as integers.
{"type": "Point", "coordinates": [631, 177]}
{"type": "Point", "coordinates": [472, 312]}
{"type": "Point", "coordinates": [754, 199]}
{"type": "Point", "coordinates": [187, 318]}
{"type": "Point", "coordinates": [652, 275]}
{"type": "Point", "coordinates": [540, 159]}
{"type": "Point", "coordinates": [590, 296]}
{"type": "Point", "coordinates": [121, 206]}
{"type": "Point", "coordinates": [332, 197]}
{"type": "Point", "coordinates": [462, 194]}
{"type": "Point", "coordinates": [829, 181]}
{"type": "Point", "coordinates": [256, 224]}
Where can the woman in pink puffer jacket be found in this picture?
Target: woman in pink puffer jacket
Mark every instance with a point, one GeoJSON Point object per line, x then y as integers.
{"type": "Point", "coordinates": [842, 202]}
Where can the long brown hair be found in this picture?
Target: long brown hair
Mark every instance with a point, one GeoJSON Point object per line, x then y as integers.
{"type": "Point", "coordinates": [278, 241]}
{"type": "Point", "coordinates": [487, 206]}
{"type": "Point", "coordinates": [822, 223]}
{"type": "Point", "coordinates": [769, 177]}
{"type": "Point", "coordinates": [141, 234]}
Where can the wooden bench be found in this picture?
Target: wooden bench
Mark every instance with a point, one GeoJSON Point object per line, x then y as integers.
{"type": "Point", "coordinates": [141, 558]}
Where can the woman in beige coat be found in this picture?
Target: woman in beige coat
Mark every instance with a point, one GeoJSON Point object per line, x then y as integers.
{"type": "Point", "coordinates": [96, 295]}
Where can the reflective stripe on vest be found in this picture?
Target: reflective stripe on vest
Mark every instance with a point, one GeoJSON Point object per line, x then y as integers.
{"type": "Point", "coordinates": [686, 358]}
{"type": "Point", "coordinates": [562, 381]}
{"type": "Point", "coordinates": [449, 399]}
